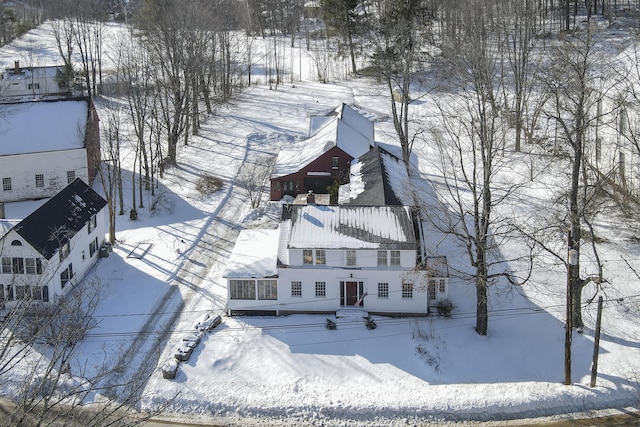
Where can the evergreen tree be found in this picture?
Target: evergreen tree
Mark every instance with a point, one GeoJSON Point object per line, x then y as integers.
{"type": "Point", "coordinates": [346, 18]}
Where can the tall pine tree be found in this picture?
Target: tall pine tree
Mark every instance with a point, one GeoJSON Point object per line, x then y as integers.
{"type": "Point", "coordinates": [346, 18]}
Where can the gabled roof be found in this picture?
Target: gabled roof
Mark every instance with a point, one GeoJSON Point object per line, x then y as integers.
{"type": "Point", "coordinates": [39, 126]}
{"type": "Point", "coordinates": [370, 183]}
{"type": "Point", "coordinates": [349, 227]}
{"type": "Point", "coordinates": [60, 218]}
{"type": "Point", "coordinates": [345, 129]}
{"type": "Point", "coordinates": [27, 73]}
{"type": "Point", "coordinates": [347, 114]}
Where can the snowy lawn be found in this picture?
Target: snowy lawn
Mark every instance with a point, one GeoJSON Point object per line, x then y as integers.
{"type": "Point", "coordinates": [292, 369]}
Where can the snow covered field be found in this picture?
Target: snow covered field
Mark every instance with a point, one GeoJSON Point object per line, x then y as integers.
{"type": "Point", "coordinates": [292, 370]}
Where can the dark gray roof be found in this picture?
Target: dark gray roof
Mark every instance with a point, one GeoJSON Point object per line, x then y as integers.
{"type": "Point", "coordinates": [54, 223]}
{"type": "Point", "coordinates": [377, 189]}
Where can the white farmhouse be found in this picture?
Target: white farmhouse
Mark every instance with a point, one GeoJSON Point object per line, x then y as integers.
{"type": "Point", "coordinates": [30, 82]}
{"type": "Point", "coordinates": [325, 258]}
{"type": "Point", "coordinates": [45, 145]}
{"type": "Point", "coordinates": [51, 250]}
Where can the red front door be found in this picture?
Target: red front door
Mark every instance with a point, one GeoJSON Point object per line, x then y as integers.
{"type": "Point", "coordinates": [352, 292]}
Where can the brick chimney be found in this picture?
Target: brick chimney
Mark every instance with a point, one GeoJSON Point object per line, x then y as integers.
{"type": "Point", "coordinates": [311, 198]}
{"type": "Point", "coordinates": [16, 69]}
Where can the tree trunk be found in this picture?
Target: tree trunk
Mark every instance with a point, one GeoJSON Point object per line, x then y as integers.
{"type": "Point", "coordinates": [352, 54]}
{"type": "Point", "coordinates": [576, 304]}
{"type": "Point", "coordinates": [119, 185]}
{"type": "Point", "coordinates": [482, 311]}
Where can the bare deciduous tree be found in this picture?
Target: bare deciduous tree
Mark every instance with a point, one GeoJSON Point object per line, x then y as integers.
{"type": "Point", "coordinates": [578, 83]}
{"type": "Point", "coordinates": [519, 27]}
{"type": "Point", "coordinates": [471, 147]}
{"type": "Point", "coordinates": [110, 172]}
{"type": "Point", "coordinates": [254, 178]}
{"type": "Point", "coordinates": [48, 380]}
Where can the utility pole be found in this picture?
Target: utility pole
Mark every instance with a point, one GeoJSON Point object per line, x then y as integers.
{"type": "Point", "coordinates": [596, 345]}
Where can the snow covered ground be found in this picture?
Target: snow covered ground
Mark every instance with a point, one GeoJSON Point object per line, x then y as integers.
{"type": "Point", "coordinates": [291, 370]}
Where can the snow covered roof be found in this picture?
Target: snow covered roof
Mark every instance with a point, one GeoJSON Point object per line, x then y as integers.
{"type": "Point", "coordinates": [33, 127]}
{"type": "Point", "coordinates": [254, 255]}
{"type": "Point", "coordinates": [346, 129]}
{"type": "Point", "coordinates": [6, 225]}
{"type": "Point", "coordinates": [355, 118]}
{"type": "Point", "coordinates": [350, 227]}
{"type": "Point", "coordinates": [60, 218]}
{"type": "Point", "coordinates": [27, 73]}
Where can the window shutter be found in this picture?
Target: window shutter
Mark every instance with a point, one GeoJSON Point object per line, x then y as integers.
{"type": "Point", "coordinates": [342, 301]}
{"type": "Point", "coordinates": [45, 293]}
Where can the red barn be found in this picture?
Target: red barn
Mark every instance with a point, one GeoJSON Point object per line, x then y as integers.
{"type": "Point", "coordinates": [324, 158]}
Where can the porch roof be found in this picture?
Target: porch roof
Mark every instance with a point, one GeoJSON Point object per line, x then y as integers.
{"type": "Point", "coordinates": [254, 255]}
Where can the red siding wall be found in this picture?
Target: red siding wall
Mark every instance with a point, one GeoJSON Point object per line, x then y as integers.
{"type": "Point", "coordinates": [294, 184]}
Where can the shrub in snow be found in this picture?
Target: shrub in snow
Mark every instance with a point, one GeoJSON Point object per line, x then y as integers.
{"type": "Point", "coordinates": [331, 324]}
{"type": "Point", "coordinates": [423, 329]}
{"type": "Point", "coordinates": [371, 324]}
{"type": "Point", "coordinates": [162, 202]}
{"type": "Point", "coordinates": [208, 184]}
{"type": "Point", "coordinates": [444, 308]}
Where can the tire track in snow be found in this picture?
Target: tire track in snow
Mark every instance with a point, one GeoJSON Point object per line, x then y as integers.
{"type": "Point", "coordinates": [210, 248]}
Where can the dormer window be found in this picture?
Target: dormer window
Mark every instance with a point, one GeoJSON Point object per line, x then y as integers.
{"type": "Point", "coordinates": [395, 258]}
{"type": "Point", "coordinates": [307, 256]}
{"type": "Point", "coordinates": [382, 258]}
{"type": "Point", "coordinates": [16, 243]}
{"type": "Point", "coordinates": [351, 257]}
{"type": "Point", "coordinates": [64, 251]}
{"type": "Point", "coordinates": [91, 224]}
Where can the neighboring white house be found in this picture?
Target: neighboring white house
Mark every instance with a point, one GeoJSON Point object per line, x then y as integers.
{"type": "Point", "coordinates": [45, 145]}
{"type": "Point", "coordinates": [30, 82]}
{"type": "Point", "coordinates": [325, 258]}
{"type": "Point", "coordinates": [51, 250]}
